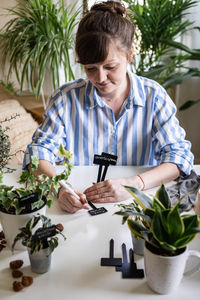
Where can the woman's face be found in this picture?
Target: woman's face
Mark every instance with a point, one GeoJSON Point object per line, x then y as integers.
{"type": "Point", "coordinates": [110, 75]}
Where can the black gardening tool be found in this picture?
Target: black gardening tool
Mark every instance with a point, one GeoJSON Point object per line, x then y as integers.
{"type": "Point", "coordinates": [96, 211]}
{"type": "Point", "coordinates": [102, 160]}
{"type": "Point", "coordinates": [129, 270]}
{"type": "Point", "coordinates": [111, 261]}
{"type": "Point", "coordinates": [105, 159]}
{"type": "Point", "coordinates": [111, 160]}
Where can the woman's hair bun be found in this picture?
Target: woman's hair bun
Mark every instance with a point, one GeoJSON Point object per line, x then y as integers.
{"type": "Point", "coordinates": [110, 6]}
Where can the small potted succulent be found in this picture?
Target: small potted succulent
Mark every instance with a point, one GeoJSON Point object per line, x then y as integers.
{"type": "Point", "coordinates": [39, 236]}
{"type": "Point", "coordinates": [167, 231]}
{"type": "Point", "coordinates": [17, 205]}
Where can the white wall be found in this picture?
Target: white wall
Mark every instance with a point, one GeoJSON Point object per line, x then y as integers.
{"type": "Point", "coordinates": [190, 90]}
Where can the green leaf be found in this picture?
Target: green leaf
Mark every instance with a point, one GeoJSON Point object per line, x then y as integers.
{"type": "Point", "coordinates": [190, 223]}
{"type": "Point", "coordinates": [163, 196]}
{"type": "Point", "coordinates": [175, 225]}
{"type": "Point", "coordinates": [188, 104]}
{"type": "Point", "coordinates": [158, 229]}
{"type": "Point", "coordinates": [141, 198]}
{"type": "Point", "coordinates": [136, 228]}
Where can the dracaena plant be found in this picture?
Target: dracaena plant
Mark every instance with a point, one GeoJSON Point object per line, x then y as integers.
{"type": "Point", "coordinates": [158, 26]}
{"type": "Point", "coordinates": [28, 234]}
{"type": "Point", "coordinates": [158, 222]}
{"type": "Point", "coordinates": [46, 188]}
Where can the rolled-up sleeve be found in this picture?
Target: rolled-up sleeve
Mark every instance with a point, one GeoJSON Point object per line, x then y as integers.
{"type": "Point", "coordinates": [49, 135]}
{"type": "Point", "coordinates": [169, 137]}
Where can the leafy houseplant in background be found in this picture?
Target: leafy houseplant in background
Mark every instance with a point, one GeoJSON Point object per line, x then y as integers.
{"type": "Point", "coordinates": [39, 236]}
{"type": "Point", "coordinates": [38, 39]}
{"type": "Point", "coordinates": [166, 232]}
{"type": "Point", "coordinates": [18, 204]}
{"type": "Point", "coordinates": [158, 54]}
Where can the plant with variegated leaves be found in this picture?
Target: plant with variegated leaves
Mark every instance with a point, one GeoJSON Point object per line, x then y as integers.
{"type": "Point", "coordinates": [46, 188]}
{"type": "Point", "coordinates": [28, 234]}
{"type": "Point", "coordinates": [159, 223]}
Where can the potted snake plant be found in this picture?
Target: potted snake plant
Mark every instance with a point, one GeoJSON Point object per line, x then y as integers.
{"type": "Point", "coordinates": [17, 205]}
{"type": "Point", "coordinates": [167, 231]}
{"type": "Point", "coordinates": [40, 238]}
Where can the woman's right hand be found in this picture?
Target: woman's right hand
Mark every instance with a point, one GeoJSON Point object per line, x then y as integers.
{"type": "Point", "coordinates": [70, 203]}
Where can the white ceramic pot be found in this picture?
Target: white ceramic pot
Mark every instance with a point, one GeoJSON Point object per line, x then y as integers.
{"type": "Point", "coordinates": [164, 273]}
{"type": "Point", "coordinates": [138, 245]}
{"type": "Point", "coordinates": [12, 223]}
{"type": "Point", "coordinates": [40, 261]}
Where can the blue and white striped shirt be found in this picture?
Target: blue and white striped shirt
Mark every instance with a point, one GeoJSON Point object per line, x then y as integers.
{"type": "Point", "coordinates": [146, 131]}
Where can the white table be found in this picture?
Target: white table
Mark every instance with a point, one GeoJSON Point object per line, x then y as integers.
{"type": "Point", "coordinates": [76, 272]}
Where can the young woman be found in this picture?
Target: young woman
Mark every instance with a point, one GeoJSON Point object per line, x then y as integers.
{"type": "Point", "coordinates": [114, 111]}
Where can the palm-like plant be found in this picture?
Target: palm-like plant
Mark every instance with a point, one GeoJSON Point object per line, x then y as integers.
{"type": "Point", "coordinates": [158, 223]}
{"type": "Point", "coordinates": [158, 25]}
{"type": "Point", "coordinates": [38, 38]}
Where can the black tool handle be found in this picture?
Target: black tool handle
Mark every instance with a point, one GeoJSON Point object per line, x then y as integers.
{"type": "Point", "coordinates": [131, 256]}
{"type": "Point", "coordinates": [99, 173]}
{"type": "Point", "coordinates": [124, 254]}
{"type": "Point", "coordinates": [104, 173]}
{"type": "Point", "coordinates": [92, 205]}
{"type": "Point", "coordinates": [111, 248]}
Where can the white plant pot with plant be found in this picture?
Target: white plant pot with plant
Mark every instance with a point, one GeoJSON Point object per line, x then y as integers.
{"type": "Point", "coordinates": [167, 232]}
{"type": "Point", "coordinates": [39, 236]}
{"type": "Point", "coordinates": [164, 273]}
{"type": "Point", "coordinates": [18, 205]}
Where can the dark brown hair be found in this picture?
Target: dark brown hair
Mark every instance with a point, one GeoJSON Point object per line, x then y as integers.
{"type": "Point", "coordinates": [105, 22]}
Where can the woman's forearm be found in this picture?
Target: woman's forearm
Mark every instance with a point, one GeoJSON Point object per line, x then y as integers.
{"type": "Point", "coordinates": [155, 177]}
{"type": "Point", "coordinates": [159, 175]}
{"type": "Point", "coordinates": [45, 167]}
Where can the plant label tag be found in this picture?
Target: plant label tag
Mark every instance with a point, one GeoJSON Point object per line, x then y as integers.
{"type": "Point", "coordinates": [44, 233]}
{"type": "Point", "coordinates": [28, 199]}
{"type": "Point", "coordinates": [104, 160]}
{"type": "Point", "coordinates": [97, 211]}
{"type": "Point", "coordinates": [112, 159]}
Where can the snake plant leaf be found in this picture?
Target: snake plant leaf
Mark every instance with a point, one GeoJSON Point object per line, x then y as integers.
{"type": "Point", "coordinates": [158, 229]}
{"type": "Point", "coordinates": [183, 241]}
{"type": "Point", "coordinates": [136, 228]}
{"type": "Point", "coordinates": [149, 212]}
{"type": "Point", "coordinates": [141, 198]}
{"type": "Point", "coordinates": [157, 204]}
{"type": "Point", "coordinates": [175, 224]}
{"type": "Point", "coordinates": [134, 213]}
{"type": "Point", "coordinates": [190, 222]}
{"type": "Point", "coordinates": [168, 247]}
{"type": "Point", "coordinates": [163, 196]}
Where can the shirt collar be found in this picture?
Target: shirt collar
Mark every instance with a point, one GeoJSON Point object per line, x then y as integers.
{"type": "Point", "coordinates": [136, 94]}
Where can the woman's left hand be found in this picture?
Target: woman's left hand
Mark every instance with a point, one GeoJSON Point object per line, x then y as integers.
{"type": "Point", "coordinates": [111, 190]}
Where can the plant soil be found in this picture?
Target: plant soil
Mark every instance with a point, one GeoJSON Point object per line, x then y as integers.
{"type": "Point", "coordinates": [162, 252]}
